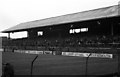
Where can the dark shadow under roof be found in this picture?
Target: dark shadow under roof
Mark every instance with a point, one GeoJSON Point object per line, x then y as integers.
{"type": "Point", "coordinates": [80, 16]}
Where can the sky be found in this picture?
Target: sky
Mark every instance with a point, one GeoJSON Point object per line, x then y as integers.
{"type": "Point", "coordinates": [13, 12]}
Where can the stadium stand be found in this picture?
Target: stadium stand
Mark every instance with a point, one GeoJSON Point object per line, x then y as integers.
{"type": "Point", "coordinates": [102, 30]}
{"type": "Point", "coordinates": [70, 42]}
{"type": "Point", "coordinates": [102, 34]}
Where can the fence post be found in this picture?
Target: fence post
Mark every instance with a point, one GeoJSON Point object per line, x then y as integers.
{"type": "Point", "coordinates": [86, 70]}
{"type": "Point", "coordinates": [32, 65]}
{"type": "Point", "coordinates": [118, 52]}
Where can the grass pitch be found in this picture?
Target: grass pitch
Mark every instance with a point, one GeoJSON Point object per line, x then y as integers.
{"type": "Point", "coordinates": [58, 64]}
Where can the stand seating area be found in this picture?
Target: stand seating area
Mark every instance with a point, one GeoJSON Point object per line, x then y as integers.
{"type": "Point", "coordinates": [66, 44]}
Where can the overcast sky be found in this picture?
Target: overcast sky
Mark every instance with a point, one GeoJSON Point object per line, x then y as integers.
{"type": "Point", "coordinates": [13, 12]}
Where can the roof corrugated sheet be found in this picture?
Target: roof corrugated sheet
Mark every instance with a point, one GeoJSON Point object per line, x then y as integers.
{"type": "Point", "coordinates": [80, 16]}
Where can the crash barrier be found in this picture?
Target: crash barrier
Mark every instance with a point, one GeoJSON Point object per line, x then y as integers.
{"type": "Point", "coordinates": [100, 55]}
{"type": "Point", "coordinates": [8, 50]}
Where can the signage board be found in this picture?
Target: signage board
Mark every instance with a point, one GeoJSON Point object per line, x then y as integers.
{"type": "Point", "coordinates": [100, 55]}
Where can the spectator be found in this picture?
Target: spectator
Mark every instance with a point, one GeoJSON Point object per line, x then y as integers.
{"type": "Point", "coordinates": [8, 70]}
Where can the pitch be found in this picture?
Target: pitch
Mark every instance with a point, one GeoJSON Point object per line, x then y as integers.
{"type": "Point", "coordinates": [58, 64]}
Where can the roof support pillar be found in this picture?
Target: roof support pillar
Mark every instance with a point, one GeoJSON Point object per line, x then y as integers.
{"type": "Point", "coordinates": [112, 30]}
{"type": "Point", "coordinates": [112, 27]}
{"type": "Point", "coordinates": [8, 35]}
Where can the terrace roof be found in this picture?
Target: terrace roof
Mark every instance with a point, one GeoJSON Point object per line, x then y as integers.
{"type": "Point", "coordinates": [105, 12]}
